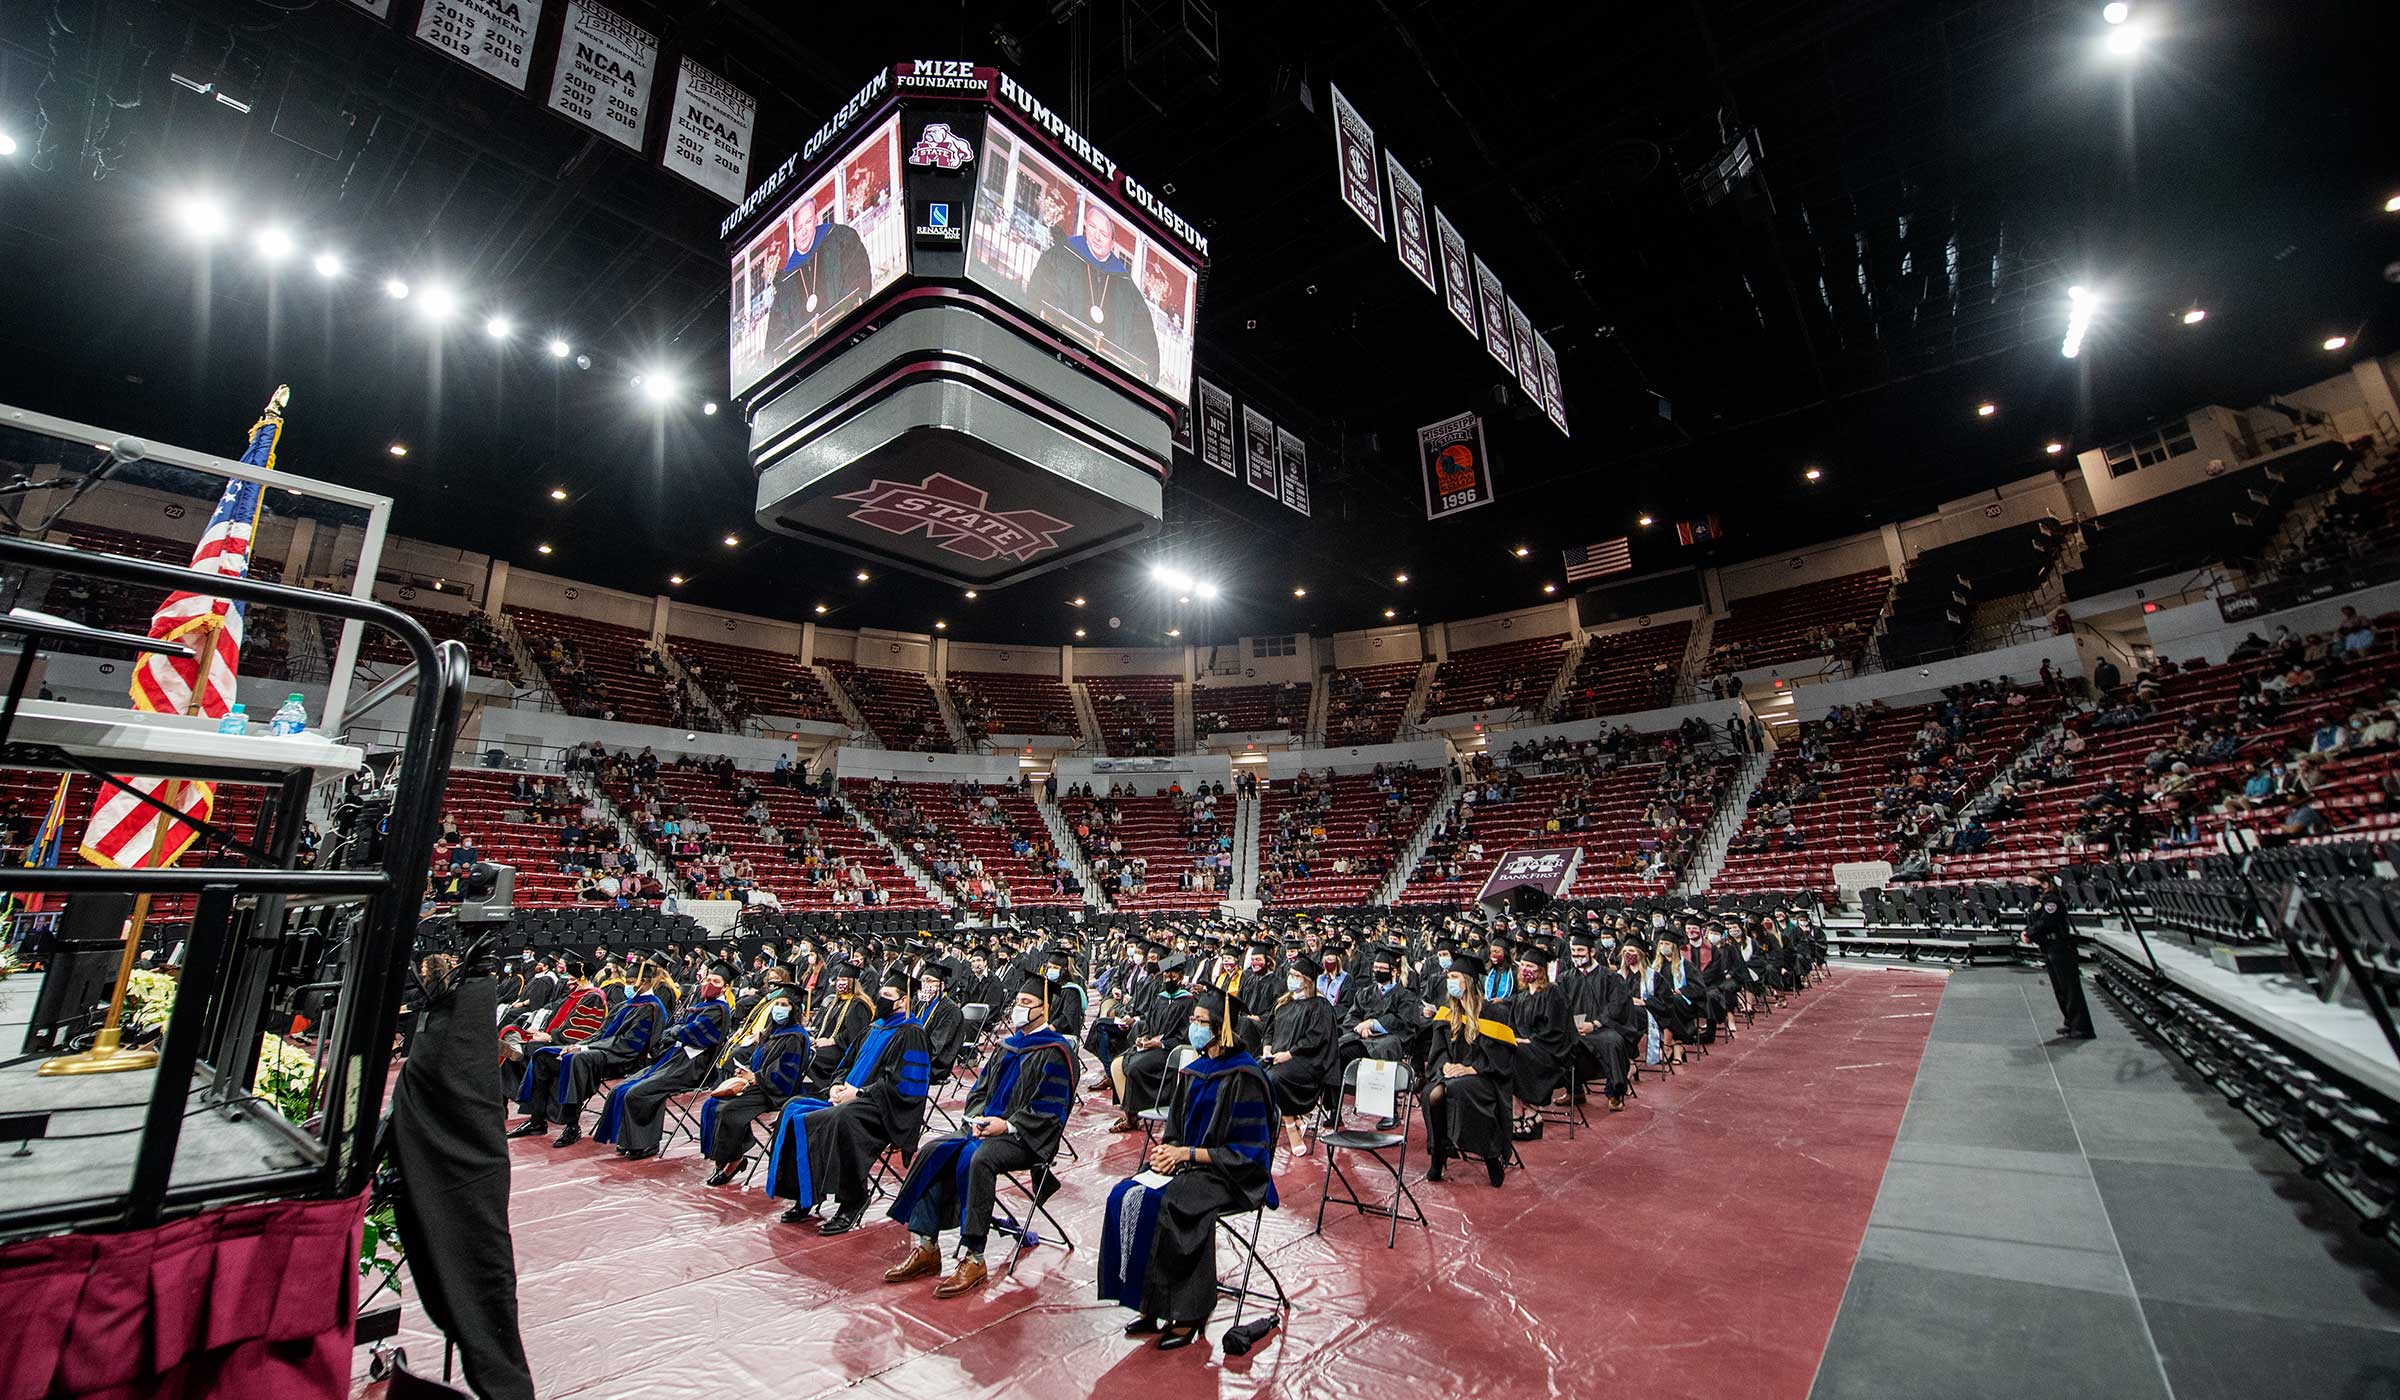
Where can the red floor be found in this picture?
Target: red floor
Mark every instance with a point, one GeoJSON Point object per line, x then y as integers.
{"type": "Point", "coordinates": [1696, 1244]}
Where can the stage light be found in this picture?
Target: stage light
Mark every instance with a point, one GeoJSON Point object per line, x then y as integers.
{"type": "Point", "coordinates": [1078, 631]}
{"type": "Point", "coordinates": [2116, 11]}
{"type": "Point", "coordinates": [499, 327]}
{"type": "Point", "coordinates": [437, 303]}
{"type": "Point", "coordinates": [1520, 551]}
{"type": "Point", "coordinates": [398, 449]}
{"type": "Point", "coordinates": [541, 549]}
{"type": "Point", "coordinates": [202, 216]}
{"type": "Point", "coordinates": [675, 579]}
{"type": "Point", "coordinates": [2123, 40]}
{"type": "Point", "coordinates": [1173, 578]}
{"type": "Point", "coordinates": [2080, 305]}
{"type": "Point", "coordinates": [1986, 410]}
{"type": "Point", "coordinates": [1207, 591]}
{"type": "Point", "coordinates": [1174, 631]}
{"type": "Point", "coordinates": [558, 493]}
{"type": "Point", "coordinates": [1549, 588]}
{"type": "Point", "coordinates": [2054, 448]}
{"type": "Point", "coordinates": [861, 576]}
{"type": "Point", "coordinates": [1076, 601]}
{"type": "Point", "coordinates": [395, 288]}
{"type": "Point", "coordinates": [972, 595]}
{"type": "Point", "coordinates": [709, 408]}
{"type": "Point", "coordinates": [559, 349]}
{"type": "Point", "coordinates": [1299, 592]}
{"type": "Point", "coordinates": [2392, 205]}
{"type": "Point", "coordinates": [1644, 522]}
{"type": "Point", "coordinates": [1814, 474]}
{"type": "Point", "coordinates": [732, 541]}
{"type": "Point", "coordinates": [8, 144]}
{"type": "Point", "coordinates": [328, 265]}
{"type": "Point", "coordinates": [274, 243]}
{"type": "Point", "coordinates": [1390, 613]}
{"type": "Point", "coordinates": [2336, 342]}
{"type": "Point", "coordinates": [820, 609]}
{"type": "Point", "coordinates": [1184, 599]}
{"type": "Point", "coordinates": [1399, 578]}
{"type": "Point", "coordinates": [939, 626]}
{"type": "Point", "coordinates": [660, 387]}
{"type": "Point", "coordinates": [2194, 316]}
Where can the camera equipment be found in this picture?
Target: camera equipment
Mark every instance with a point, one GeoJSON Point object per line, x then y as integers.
{"type": "Point", "coordinates": [489, 894]}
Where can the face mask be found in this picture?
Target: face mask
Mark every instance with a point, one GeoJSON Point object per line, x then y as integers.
{"type": "Point", "coordinates": [928, 990]}
{"type": "Point", "coordinates": [1458, 987]}
{"type": "Point", "coordinates": [1295, 983]}
{"type": "Point", "coordinates": [780, 1012]}
{"type": "Point", "coordinates": [1383, 977]}
{"type": "Point", "coordinates": [1582, 959]}
{"type": "Point", "coordinates": [1199, 1035]}
{"type": "Point", "coordinates": [1608, 943]}
{"type": "Point", "coordinates": [1018, 1016]}
{"type": "Point", "coordinates": [1049, 974]}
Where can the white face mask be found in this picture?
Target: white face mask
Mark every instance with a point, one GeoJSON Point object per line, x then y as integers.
{"type": "Point", "coordinates": [1295, 983]}
{"type": "Point", "coordinates": [1458, 986]}
{"type": "Point", "coordinates": [780, 1012]}
{"type": "Point", "coordinates": [1018, 1016]}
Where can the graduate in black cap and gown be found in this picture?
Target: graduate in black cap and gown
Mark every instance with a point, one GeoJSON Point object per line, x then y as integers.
{"type": "Point", "coordinates": [636, 1109]}
{"type": "Point", "coordinates": [938, 1012]}
{"type": "Point", "coordinates": [1158, 1239]}
{"type": "Point", "coordinates": [1298, 1052]}
{"type": "Point", "coordinates": [1140, 1073]}
{"type": "Point", "coordinates": [1472, 1075]}
{"type": "Point", "coordinates": [841, 1022]}
{"type": "Point", "coordinates": [769, 1075]}
{"type": "Point", "coordinates": [1545, 1025]}
{"type": "Point", "coordinates": [1607, 1024]}
{"type": "Point", "coordinates": [827, 1148]}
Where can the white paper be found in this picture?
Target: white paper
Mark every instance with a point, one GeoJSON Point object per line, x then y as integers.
{"type": "Point", "coordinates": [1378, 1088]}
{"type": "Point", "coordinates": [1153, 1180]}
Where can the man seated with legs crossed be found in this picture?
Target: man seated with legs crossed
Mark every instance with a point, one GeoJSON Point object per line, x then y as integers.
{"type": "Point", "coordinates": [561, 1077]}
{"type": "Point", "coordinates": [634, 1115]}
{"type": "Point", "coordinates": [1014, 1118]}
{"type": "Point", "coordinates": [828, 1147]}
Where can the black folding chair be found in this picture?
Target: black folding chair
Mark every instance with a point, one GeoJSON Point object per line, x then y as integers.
{"type": "Point", "coordinates": [1154, 1118]}
{"type": "Point", "coordinates": [1005, 1221]}
{"type": "Point", "coordinates": [1239, 1339]}
{"type": "Point", "coordinates": [1374, 1144]}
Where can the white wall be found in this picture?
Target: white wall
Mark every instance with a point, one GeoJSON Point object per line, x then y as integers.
{"type": "Point", "coordinates": [1359, 758]}
{"type": "Point", "coordinates": [2216, 439]}
{"type": "Point", "coordinates": [1099, 663]}
{"type": "Point", "coordinates": [549, 593]}
{"type": "Point", "coordinates": [1025, 661]}
{"type": "Point", "coordinates": [1638, 624]}
{"type": "Point", "coordinates": [2199, 631]}
{"type": "Point", "coordinates": [733, 629]}
{"type": "Point", "coordinates": [1248, 668]}
{"type": "Point", "coordinates": [1914, 685]}
{"type": "Point", "coordinates": [1377, 646]}
{"type": "Point", "coordinates": [550, 729]}
{"type": "Point", "coordinates": [1852, 555]}
{"type": "Point", "coordinates": [893, 766]}
{"type": "Point", "coordinates": [1548, 620]}
{"type": "Point", "coordinates": [892, 651]}
{"type": "Point", "coordinates": [1189, 769]}
{"type": "Point", "coordinates": [1659, 721]}
{"type": "Point", "coordinates": [1986, 512]}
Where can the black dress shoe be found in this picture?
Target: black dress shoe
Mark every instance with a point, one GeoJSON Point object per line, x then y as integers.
{"type": "Point", "coordinates": [532, 1127]}
{"type": "Point", "coordinates": [844, 1221]}
{"type": "Point", "coordinates": [727, 1171]}
{"type": "Point", "coordinates": [1143, 1326]}
{"type": "Point", "coordinates": [1497, 1171]}
{"type": "Point", "coordinates": [1434, 1172]}
{"type": "Point", "coordinates": [800, 1213]}
{"type": "Point", "coordinates": [1171, 1341]}
{"type": "Point", "coordinates": [638, 1154]}
{"type": "Point", "coordinates": [572, 1136]}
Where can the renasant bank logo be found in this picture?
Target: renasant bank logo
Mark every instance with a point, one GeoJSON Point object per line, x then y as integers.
{"type": "Point", "coordinates": [952, 514]}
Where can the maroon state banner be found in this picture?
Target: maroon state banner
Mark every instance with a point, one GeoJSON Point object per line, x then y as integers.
{"type": "Point", "coordinates": [1550, 869]}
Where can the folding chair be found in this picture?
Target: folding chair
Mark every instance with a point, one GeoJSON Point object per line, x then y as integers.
{"type": "Point", "coordinates": [1154, 1118]}
{"type": "Point", "coordinates": [1238, 1339]}
{"type": "Point", "coordinates": [1005, 1221]}
{"type": "Point", "coordinates": [1374, 1144]}
{"type": "Point", "coordinates": [1570, 1113]}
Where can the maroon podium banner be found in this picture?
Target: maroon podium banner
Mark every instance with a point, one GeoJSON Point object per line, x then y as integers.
{"type": "Point", "coordinates": [1550, 869]}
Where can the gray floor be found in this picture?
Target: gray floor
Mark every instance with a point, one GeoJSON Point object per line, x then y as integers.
{"type": "Point", "coordinates": [2064, 1219]}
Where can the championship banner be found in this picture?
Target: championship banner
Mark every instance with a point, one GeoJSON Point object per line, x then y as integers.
{"type": "Point", "coordinates": [1520, 331]}
{"type": "Point", "coordinates": [1258, 452]}
{"type": "Point", "coordinates": [1550, 869]}
{"type": "Point", "coordinates": [708, 142]}
{"type": "Point", "coordinates": [1216, 428]}
{"type": "Point", "coordinates": [606, 65]}
{"type": "Point", "coordinates": [1495, 316]}
{"type": "Point", "coordinates": [1354, 153]}
{"type": "Point", "coordinates": [1409, 238]}
{"type": "Point", "coordinates": [1458, 476]}
{"type": "Point", "coordinates": [493, 37]}
{"type": "Point", "coordinates": [1554, 396]}
{"type": "Point", "coordinates": [1291, 455]}
{"type": "Point", "coordinates": [1458, 283]}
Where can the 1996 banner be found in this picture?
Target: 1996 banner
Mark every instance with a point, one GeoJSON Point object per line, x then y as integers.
{"type": "Point", "coordinates": [1458, 476]}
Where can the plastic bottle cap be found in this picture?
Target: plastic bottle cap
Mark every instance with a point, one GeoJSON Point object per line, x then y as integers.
{"type": "Point", "coordinates": [237, 707]}
{"type": "Point", "coordinates": [293, 696]}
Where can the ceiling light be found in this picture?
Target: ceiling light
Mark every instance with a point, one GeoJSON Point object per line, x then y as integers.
{"type": "Point", "coordinates": [2123, 40]}
{"type": "Point", "coordinates": [558, 348]}
{"type": "Point", "coordinates": [1399, 578]}
{"type": "Point", "coordinates": [1549, 588]}
{"type": "Point", "coordinates": [2392, 205]}
{"type": "Point", "coordinates": [202, 216]}
{"type": "Point", "coordinates": [395, 288]}
{"type": "Point", "coordinates": [398, 449]}
{"type": "Point", "coordinates": [499, 327]}
{"type": "Point", "coordinates": [2080, 305]}
{"type": "Point", "coordinates": [541, 549]}
{"type": "Point", "coordinates": [1986, 410]}
{"type": "Point", "coordinates": [1299, 592]}
{"type": "Point", "coordinates": [971, 594]}
{"type": "Point", "coordinates": [820, 609]}
{"type": "Point", "coordinates": [2194, 316]}
{"type": "Point", "coordinates": [2336, 342]}
{"type": "Point", "coordinates": [675, 579]}
{"type": "Point", "coordinates": [558, 493]}
{"type": "Point", "coordinates": [1814, 474]}
{"type": "Point", "coordinates": [1185, 599]}
{"type": "Point", "coordinates": [1207, 591]}
{"type": "Point", "coordinates": [1644, 522]}
{"type": "Point", "coordinates": [2115, 11]}
{"type": "Point", "coordinates": [274, 243]}
{"type": "Point", "coordinates": [437, 303]}
{"type": "Point", "coordinates": [1176, 579]}
{"type": "Point", "coordinates": [1520, 551]}
{"type": "Point", "coordinates": [1174, 631]}
{"type": "Point", "coordinates": [658, 386]}
{"type": "Point", "coordinates": [1078, 631]}
{"type": "Point", "coordinates": [709, 408]}
{"type": "Point", "coordinates": [1390, 613]}
{"type": "Point", "coordinates": [2054, 448]}
{"type": "Point", "coordinates": [8, 144]}
{"type": "Point", "coordinates": [328, 264]}
{"type": "Point", "coordinates": [732, 540]}
{"type": "Point", "coordinates": [1076, 601]}
{"type": "Point", "coordinates": [941, 626]}
{"type": "Point", "coordinates": [861, 576]}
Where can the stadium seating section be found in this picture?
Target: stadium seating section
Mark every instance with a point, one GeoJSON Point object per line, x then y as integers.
{"type": "Point", "coordinates": [1364, 704]}
{"type": "Point", "coordinates": [1830, 619]}
{"type": "Point", "coordinates": [487, 655]}
{"type": "Point", "coordinates": [1516, 673]}
{"type": "Point", "coordinates": [1161, 834]}
{"type": "Point", "coordinates": [1308, 826]}
{"type": "Point", "coordinates": [1005, 702]}
{"type": "Point", "coordinates": [746, 681]}
{"type": "Point", "coordinates": [1622, 672]}
{"type": "Point", "coordinates": [899, 706]}
{"type": "Point", "coordinates": [1005, 836]}
{"type": "Point", "coordinates": [795, 882]}
{"type": "Point", "coordinates": [1243, 709]}
{"type": "Point", "coordinates": [1136, 713]}
{"type": "Point", "coordinates": [595, 668]}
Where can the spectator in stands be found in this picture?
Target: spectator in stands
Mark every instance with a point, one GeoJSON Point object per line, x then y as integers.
{"type": "Point", "coordinates": [2357, 634]}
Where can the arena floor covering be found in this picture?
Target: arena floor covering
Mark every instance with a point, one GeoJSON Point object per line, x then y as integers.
{"type": "Point", "coordinates": [1698, 1242]}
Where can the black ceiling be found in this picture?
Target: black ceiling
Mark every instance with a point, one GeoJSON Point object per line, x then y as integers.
{"type": "Point", "coordinates": [1933, 176]}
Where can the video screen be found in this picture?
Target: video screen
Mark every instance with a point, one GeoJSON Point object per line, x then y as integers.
{"type": "Point", "coordinates": [836, 244]}
{"type": "Point", "coordinates": [1049, 245]}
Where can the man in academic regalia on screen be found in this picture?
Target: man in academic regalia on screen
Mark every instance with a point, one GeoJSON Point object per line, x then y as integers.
{"type": "Point", "coordinates": [823, 279]}
{"type": "Point", "coordinates": [1085, 284]}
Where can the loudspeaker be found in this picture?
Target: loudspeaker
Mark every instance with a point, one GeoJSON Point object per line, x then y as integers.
{"type": "Point", "coordinates": [81, 968]}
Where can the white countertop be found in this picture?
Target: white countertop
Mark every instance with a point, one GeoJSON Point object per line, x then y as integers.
{"type": "Point", "coordinates": [109, 735]}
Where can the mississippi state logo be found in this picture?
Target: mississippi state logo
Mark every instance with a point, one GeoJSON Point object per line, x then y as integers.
{"type": "Point", "coordinates": [952, 515]}
{"type": "Point", "coordinates": [938, 145]}
{"type": "Point", "coordinates": [1454, 469]}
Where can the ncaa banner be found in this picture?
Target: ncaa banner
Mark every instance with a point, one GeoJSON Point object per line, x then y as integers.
{"type": "Point", "coordinates": [1216, 428]}
{"type": "Point", "coordinates": [606, 65]}
{"type": "Point", "coordinates": [1354, 153]}
{"type": "Point", "coordinates": [1554, 397]}
{"type": "Point", "coordinates": [1458, 476]}
{"type": "Point", "coordinates": [1520, 330]}
{"type": "Point", "coordinates": [493, 37]}
{"type": "Point", "coordinates": [1258, 452]}
{"type": "Point", "coordinates": [1495, 316]}
{"type": "Point", "coordinates": [1409, 240]}
{"type": "Point", "coordinates": [708, 142]}
{"type": "Point", "coordinates": [1291, 455]}
{"type": "Point", "coordinates": [1458, 283]}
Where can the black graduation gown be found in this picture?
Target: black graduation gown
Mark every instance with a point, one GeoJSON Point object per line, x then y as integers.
{"type": "Point", "coordinates": [1303, 1028]}
{"type": "Point", "coordinates": [1397, 1009]}
{"type": "Point", "coordinates": [845, 1140]}
{"type": "Point", "coordinates": [1066, 1009]}
{"type": "Point", "coordinates": [945, 1032]}
{"type": "Point", "coordinates": [1545, 1025]}
{"type": "Point", "coordinates": [562, 1078]}
{"type": "Point", "coordinates": [1605, 999]}
{"type": "Point", "coordinates": [836, 270]}
{"type": "Point", "coordinates": [1471, 1113]}
{"type": "Point", "coordinates": [635, 1114]}
{"type": "Point", "coordinates": [1145, 1068]}
{"type": "Point", "coordinates": [776, 1065]}
{"type": "Point", "coordinates": [1671, 1008]}
{"type": "Point", "coordinates": [1041, 1093]}
{"type": "Point", "coordinates": [1066, 285]}
{"type": "Point", "coordinates": [834, 1032]}
{"type": "Point", "coordinates": [1159, 1248]}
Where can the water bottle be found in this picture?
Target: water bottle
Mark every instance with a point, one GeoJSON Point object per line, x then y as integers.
{"type": "Point", "coordinates": [291, 719]}
{"type": "Point", "coordinates": [235, 722]}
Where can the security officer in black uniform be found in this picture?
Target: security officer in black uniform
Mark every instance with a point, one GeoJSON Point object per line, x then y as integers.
{"type": "Point", "coordinates": [2047, 929]}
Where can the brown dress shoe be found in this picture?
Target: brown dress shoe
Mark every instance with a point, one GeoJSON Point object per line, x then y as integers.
{"type": "Point", "coordinates": [922, 1260]}
{"type": "Point", "coordinates": [969, 1274]}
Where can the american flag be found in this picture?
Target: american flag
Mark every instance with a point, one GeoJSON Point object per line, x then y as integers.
{"type": "Point", "coordinates": [124, 833]}
{"type": "Point", "coordinates": [1592, 560]}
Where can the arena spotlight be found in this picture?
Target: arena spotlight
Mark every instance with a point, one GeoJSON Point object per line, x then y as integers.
{"type": "Point", "coordinates": [541, 549]}
{"type": "Point", "coordinates": [2080, 304]}
{"type": "Point", "coordinates": [1299, 592]}
{"type": "Point", "coordinates": [1173, 578]}
{"type": "Point", "coordinates": [2336, 342]}
{"type": "Point", "coordinates": [972, 595]}
{"type": "Point", "coordinates": [1078, 632]}
{"type": "Point", "coordinates": [733, 541]}
{"type": "Point", "coordinates": [2392, 205]}
{"type": "Point", "coordinates": [676, 580]}
{"type": "Point", "coordinates": [1645, 522]}
{"type": "Point", "coordinates": [940, 626]}
{"type": "Point", "coordinates": [1520, 551]}
{"type": "Point", "coordinates": [1813, 474]}
{"type": "Point", "coordinates": [709, 408]}
{"type": "Point", "coordinates": [437, 303]}
{"type": "Point", "coordinates": [328, 264]}
{"type": "Point", "coordinates": [2123, 40]}
{"type": "Point", "coordinates": [8, 144]}
{"type": "Point", "coordinates": [1207, 591]}
{"type": "Point", "coordinates": [395, 288]}
{"type": "Point", "coordinates": [2054, 448]}
{"type": "Point", "coordinates": [1390, 613]}
{"type": "Point", "coordinates": [558, 348]}
{"type": "Point", "coordinates": [1399, 578]}
{"type": "Point", "coordinates": [274, 243]}
{"type": "Point", "coordinates": [1549, 588]}
{"type": "Point", "coordinates": [1076, 601]}
{"type": "Point", "coordinates": [1174, 631]}
{"type": "Point", "coordinates": [861, 576]}
{"type": "Point", "coordinates": [1986, 410]}
{"type": "Point", "coordinates": [658, 387]}
{"type": "Point", "coordinates": [202, 216]}
{"type": "Point", "coordinates": [558, 493]}
{"type": "Point", "coordinates": [2195, 316]}
{"type": "Point", "coordinates": [2116, 11]}
{"type": "Point", "coordinates": [821, 609]}
{"type": "Point", "coordinates": [398, 449]}
{"type": "Point", "coordinates": [499, 327]}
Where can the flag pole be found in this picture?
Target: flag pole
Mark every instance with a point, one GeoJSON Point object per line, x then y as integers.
{"type": "Point", "coordinates": [108, 1055]}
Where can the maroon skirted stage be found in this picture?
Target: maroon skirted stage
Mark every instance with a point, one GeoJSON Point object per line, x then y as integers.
{"type": "Point", "coordinates": [1696, 1244]}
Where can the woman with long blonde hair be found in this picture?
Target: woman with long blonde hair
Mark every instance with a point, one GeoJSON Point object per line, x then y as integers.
{"type": "Point", "coordinates": [1471, 1076]}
